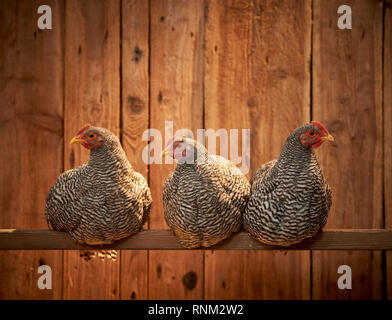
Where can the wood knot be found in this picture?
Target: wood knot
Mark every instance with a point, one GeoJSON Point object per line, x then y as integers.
{"type": "Point", "coordinates": [279, 73]}
{"type": "Point", "coordinates": [252, 102]}
{"type": "Point", "coordinates": [137, 54]}
{"type": "Point", "coordinates": [95, 110]}
{"type": "Point", "coordinates": [135, 104]}
{"type": "Point", "coordinates": [159, 271]}
{"type": "Point", "coordinates": [190, 280]}
{"type": "Point", "coordinates": [342, 99]}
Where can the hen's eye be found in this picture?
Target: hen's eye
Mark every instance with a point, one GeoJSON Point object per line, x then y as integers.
{"type": "Point", "coordinates": [91, 135]}
{"type": "Point", "coordinates": [311, 133]}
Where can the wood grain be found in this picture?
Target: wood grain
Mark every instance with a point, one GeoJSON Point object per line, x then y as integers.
{"type": "Point", "coordinates": [250, 59]}
{"type": "Point", "coordinates": [176, 95]}
{"type": "Point", "coordinates": [176, 274]}
{"type": "Point", "coordinates": [257, 77]}
{"type": "Point", "coordinates": [366, 274]}
{"type": "Point", "coordinates": [92, 95]}
{"type": "Point", "coordinates": [242, 284]}
{"type": "Point", "coordinates": [31, 87]}
{"type": "Point", "coordinates": [134, 275]}
{"type": "Point", "coordinates": [19, 274]}
{"type": "Point", "coordinates": [388, 135]}
{"type": "Point", "coordinates": [343, 239]}
{"type": "Point", "coordinates": [347, 99]}
{"type": "Point", "coordinates": [134, 115]}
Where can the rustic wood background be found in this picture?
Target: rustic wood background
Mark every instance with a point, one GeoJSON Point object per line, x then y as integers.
{"type": "Point", "coordinates": [130, 65]}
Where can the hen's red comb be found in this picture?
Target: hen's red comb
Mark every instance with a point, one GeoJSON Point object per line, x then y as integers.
{"type": "Point", "coordinates": [80, 132]}
{"type": "Point", "coordinates": [174, 138]}
{"type": "Point", "coordinates": [320, 126]}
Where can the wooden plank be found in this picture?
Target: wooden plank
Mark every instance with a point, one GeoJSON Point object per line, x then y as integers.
{"type": "Point", "coordinates": [345, 239]}
{"type": "Point", "coordinates": [134, 114]}
{"type": "Point", "coordinates": [19, 274]}
{"type": "Point", "coordinates": [175, 274]}
{"type": "Point", "coordinates": [230, 279]}
{"type": "Point", "coordinates": [347, 70]}
{"type": "Point", "coordinates": [31, 119]}
{"type": "Point", "coordinates": [92, 95]}
{"type": "Point", "coordinates": [176, 95]}
{"type": "Point", "coordinates": [388, 134]}
{"type": "Point", "coordinates": [280, 266]}
{"type": "Point", "coordinates": [234, 283]}
{"type": "Point", "coordinates": [257, 77]}
{"type": "Point", "coordinates": [134, 275]}
{"type": "Point", "coordinates": [366, 276]}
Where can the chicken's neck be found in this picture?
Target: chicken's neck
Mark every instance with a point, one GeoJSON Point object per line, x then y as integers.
{"type": "Point", "coordinates": [109, 158]}
{"type": "Point", "coordinates": [294, 158]}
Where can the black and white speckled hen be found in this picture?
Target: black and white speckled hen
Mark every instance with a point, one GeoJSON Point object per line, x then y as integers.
{"type": "Point", "coordinates": [290, 199]}
{"type": "Point", "coordinates": [102, 200]}
{"type": "Point", "coordinates": [205, 197]}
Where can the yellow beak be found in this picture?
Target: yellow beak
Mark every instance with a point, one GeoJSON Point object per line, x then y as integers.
{"type": "Point", "coordinates": [328, 138]}
{"type": "Point", "coordinates": [164, 153]}
{"type": "Point", "coordinates": [76, 140]}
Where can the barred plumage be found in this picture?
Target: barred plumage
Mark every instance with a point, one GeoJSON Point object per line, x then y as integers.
{"type": "Point", "coordinates": [205, 197]}
{"type": "Point", "coordinates": [102, 200]}
{"type": "Point", "coordinates": [290, 199]}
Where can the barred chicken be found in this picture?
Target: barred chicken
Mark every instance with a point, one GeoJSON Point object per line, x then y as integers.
{"type": "Point", "coordinates": [103, 200]}
{"type": "Point", "coordinates": [290, 199]}
{"type": "Point", "coordinates": [205, 197]}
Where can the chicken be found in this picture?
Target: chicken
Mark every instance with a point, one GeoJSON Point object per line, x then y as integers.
{"type": "Point", "coordinates": [103, 200]}
{"type": "Point", "coordinates": [290, 199]}
{"type": "Point", "coordinates": [205, 197]}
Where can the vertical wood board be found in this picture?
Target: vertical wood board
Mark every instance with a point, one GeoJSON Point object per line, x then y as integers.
{"type": "Point", "coordinates": [257, 77]}
{"type": "Point", "coordinates": [31, 119]}
{"type": "Point", "coordinates": [134, 119]}
{"type": "Point", "coordinates": [347, 99]}
{"type": "Point", "coordinates": [92, 95]}
{"type": "Point", "coordinates": [176, 67]}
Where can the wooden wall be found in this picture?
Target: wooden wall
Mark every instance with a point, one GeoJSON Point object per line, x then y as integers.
{"type": "Point", "coordinates": [268, 66]}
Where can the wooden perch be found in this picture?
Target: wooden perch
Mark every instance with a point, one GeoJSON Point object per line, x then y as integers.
{"type": "Point", "coordinates": [346, 239]}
